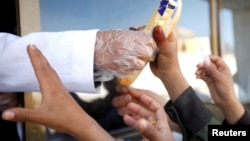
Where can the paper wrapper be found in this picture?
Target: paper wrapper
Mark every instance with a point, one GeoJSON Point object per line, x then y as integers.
{"type": "Point", "coordinates": [167, 16]}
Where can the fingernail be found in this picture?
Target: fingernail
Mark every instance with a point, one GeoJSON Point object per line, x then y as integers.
{"type": "Point", "coordinates": [33, 47]}
{"type": "Point", "coordinates": [158, 30]}
{"type": "Point", "coordinates": [8, 115]}
{"type": "Point", "coordinates": [158, 34]}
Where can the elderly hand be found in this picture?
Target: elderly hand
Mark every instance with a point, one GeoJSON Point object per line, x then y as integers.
{"type": "Point", "coordinates": [121, 53]}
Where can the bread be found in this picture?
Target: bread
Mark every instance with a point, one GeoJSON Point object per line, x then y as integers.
{"type": "Point", "coordinates": [167, 19]}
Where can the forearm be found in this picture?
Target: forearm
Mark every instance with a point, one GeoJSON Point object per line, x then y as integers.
{"type": "Point", "coordinates": [175, 83]}
{"type": "Point", "coordinates": [87, 129]}
{"type": "Point", "coordinates": [233, 111]}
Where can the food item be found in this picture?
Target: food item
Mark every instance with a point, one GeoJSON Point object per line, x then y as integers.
{"type": "Point", "coordinates": [166, 15]}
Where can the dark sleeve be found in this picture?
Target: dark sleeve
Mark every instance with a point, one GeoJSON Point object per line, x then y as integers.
{"type": "Point", "coordinates": [189, 112]}
{"type": "Point", "coordinates": [244, 120]}
{"type": "Point", "coordinates": [96, 83]}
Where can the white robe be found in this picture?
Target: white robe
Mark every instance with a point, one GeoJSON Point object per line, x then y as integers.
{"type": "Point", "coordinates": [70, 53]}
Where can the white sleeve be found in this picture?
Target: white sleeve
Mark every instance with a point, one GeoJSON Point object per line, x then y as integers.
{"type": "Point", "coordinates": [70, 53]}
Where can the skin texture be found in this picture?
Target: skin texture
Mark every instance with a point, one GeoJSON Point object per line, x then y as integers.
{"type": "Point", "coordinates": [217, 75]}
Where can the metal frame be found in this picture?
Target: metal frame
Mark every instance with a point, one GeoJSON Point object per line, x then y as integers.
{"type": "Point", "coordinates": [215, 26]}
{"type": "Point", "coordinates": [29, 21]}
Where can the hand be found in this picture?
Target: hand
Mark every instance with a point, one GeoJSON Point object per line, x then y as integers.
{"type": "Point", "coordinates": [121, 53]}
{"type": "Point", "coordinates": [167, 57]}
{"type": "Point", "coordinates": [128, 94]}
{"type": "Point", "coordinates": [58, 108]}
{"type": "Point", "coordinates": [219, 80]}
{"type": "Point", "coordinates": [166, 64]}
{"type": "Point", "coordinates": [152, 128]}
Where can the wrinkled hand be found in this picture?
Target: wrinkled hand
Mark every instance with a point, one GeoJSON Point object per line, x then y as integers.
{"type": "Point", "coordinates": [121, 53]}
{"type": "Point", "coordinates": [152, 129]}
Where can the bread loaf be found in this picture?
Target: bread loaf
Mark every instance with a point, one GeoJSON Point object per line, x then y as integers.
{"type": "Point", "coordinates": [167, 16]}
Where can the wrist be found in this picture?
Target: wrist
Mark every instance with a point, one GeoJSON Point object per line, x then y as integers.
{"type": "Point", "coordinates": [175, 84]}
{"type": "Point", "coordinates": [233, 111]}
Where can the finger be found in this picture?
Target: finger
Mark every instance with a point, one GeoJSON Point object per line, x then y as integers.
{"type": "Point", "coordinates": [138, 28]}
{"type": "Point", "coordinates": [143, 48]}
{"type": "Point", "coordinates": [122, 100]}
{"type": "Point", "coordinates": [199, 65]}
{"type": "Point", "coordinates": [124, 110]}
{"type": "Point", "coordinates": [160, 37]}
{"type": "Point", "coordinates": [122, 89]}
{"type": "Point", "coordinates": [123, 67]}
{"type": "Point", "coordinates": [142, 126]}
{"type": "Point", "coordinates": [140, 111]}
{"type": "Point", "coordinates": [135, 93]}
{"type": "Point", "coordinates": [166, 44]}
{"type": "Point", "coordinates": [211, 69]}
{"type": "Point", "coordinates": [219, 62]}
{"type": "Point", "coordinates": [133, 28]}
{"type": "Point", "coordinates": [139, 124]}
{"type": "Point", "coordinates": [21, 114]}
{"type": "Point", "coordinates": [152, 105]}
{"type": "Point", "coordinates": [129, 120]}
{"type": "Point", "coordinates": [132, 65]}
{"type": "Point", "coordinates": [47, 77]}
{"type": "Point", "coordinates": [141, 27]}
{"type": "Point", "coordinates": [200, 72]}
{"type": "Point", "coordinates": [147, 130]}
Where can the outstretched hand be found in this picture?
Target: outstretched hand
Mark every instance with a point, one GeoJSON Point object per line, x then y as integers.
{"type": "Point", "coordinates": [217, 75]}
{"type": "Point", "coordinates": [58, 108]}
{"type": "Point", "coordinates": [218, 78]}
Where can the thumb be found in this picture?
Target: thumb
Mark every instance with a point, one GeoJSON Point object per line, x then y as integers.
{"type": "Point", "coordinates": [18, 114]}
{"type": "Point", "coordinates": [146, 129]}
{"type": "Point", "coordinates": [158, 35]}
{"type": "Point", "coordinates": [210, 68]}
